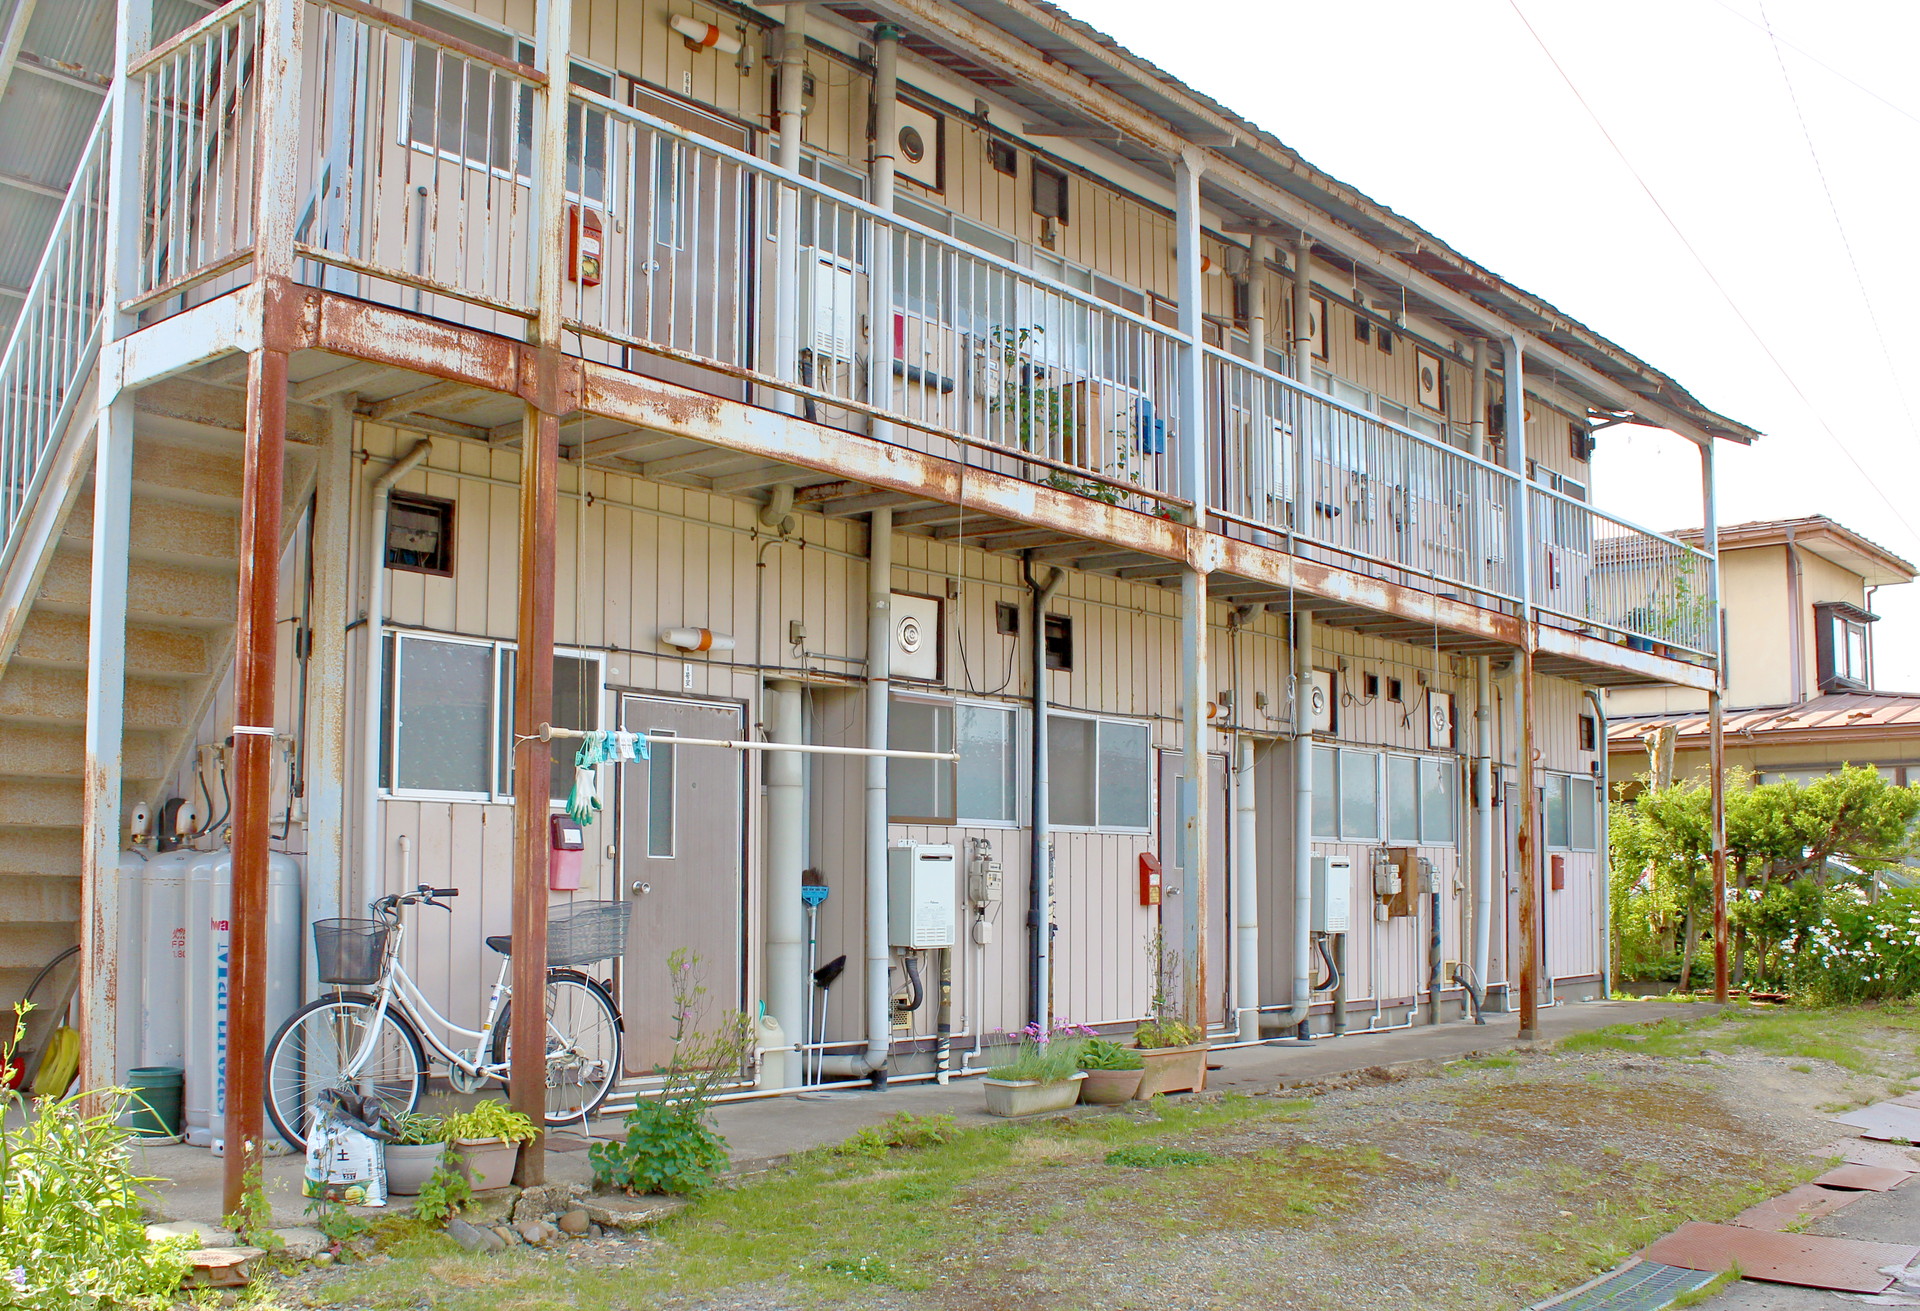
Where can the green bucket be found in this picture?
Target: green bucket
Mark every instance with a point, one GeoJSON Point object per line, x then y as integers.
{"type": "Point", "coordinates": [156, 1107]}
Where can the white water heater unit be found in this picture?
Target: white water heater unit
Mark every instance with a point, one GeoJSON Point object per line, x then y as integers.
{"type": "Point", "coordinates": [209, 950]}
{"type": "Point", "coordinates": [922, 887]}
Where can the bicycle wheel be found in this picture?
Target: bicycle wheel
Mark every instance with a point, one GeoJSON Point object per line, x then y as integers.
{"type": "Point", "coordinates": [313, 1048]}
{"type": "Point", "coordinates": [583, 1045]}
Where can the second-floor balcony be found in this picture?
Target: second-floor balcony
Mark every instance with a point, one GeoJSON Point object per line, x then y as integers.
{"type": "Point", "coordinates": [696, 263]}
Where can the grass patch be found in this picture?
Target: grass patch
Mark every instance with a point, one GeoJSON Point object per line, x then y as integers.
{"type": "Point", "coordinates": [1472, 1063]}
{"type": "Point", "coordinates": [1698, 1296]}
{"type": "Point", "coordinates": [1153, 1156]}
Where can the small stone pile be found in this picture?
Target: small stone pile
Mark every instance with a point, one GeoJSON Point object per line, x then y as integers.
{"type": "Point", "coordinates": [551, 1213]}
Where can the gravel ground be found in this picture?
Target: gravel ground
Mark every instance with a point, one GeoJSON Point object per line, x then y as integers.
{"type": "Point", "coordinates": [1483, 1185]}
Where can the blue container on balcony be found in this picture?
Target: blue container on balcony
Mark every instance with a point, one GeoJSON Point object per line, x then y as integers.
{"type": "Point", "coordinates": [1153, 430]}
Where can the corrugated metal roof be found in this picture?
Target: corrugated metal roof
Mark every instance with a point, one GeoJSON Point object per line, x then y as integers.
{"type": "Point", "coordinates": [1074, 43]}
{"type": "Point", "coordinates": [1838, 715]}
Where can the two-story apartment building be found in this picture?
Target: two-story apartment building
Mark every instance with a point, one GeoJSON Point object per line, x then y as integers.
{"type": "Point", "coordinates": [891, 376]}
{"type": "Point", "coordinates": [1802, 696]}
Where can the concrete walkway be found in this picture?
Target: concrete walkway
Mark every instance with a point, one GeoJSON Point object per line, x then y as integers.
{"type": "Point", "coordinates": [765, 1129]}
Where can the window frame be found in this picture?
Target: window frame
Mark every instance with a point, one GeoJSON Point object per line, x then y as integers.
{"type": "Point", "coordinates": [1562, 783]}
{"type": "Point", "coordinates": [1099, 722]}
{"type": "Point", "coordinates": [1423, 822]}
{"type": "Point", "coordinates": [499, 729]}
{"type": "Point", "coordinates": [954, 707]}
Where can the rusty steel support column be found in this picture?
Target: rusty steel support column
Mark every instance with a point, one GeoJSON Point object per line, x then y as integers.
{"type": "Point", "coordinates": [533, 668]}
{"type": "Point", "coordinates": [1716, 720]}
{"type": "Point", "coordinates": [253, 742]}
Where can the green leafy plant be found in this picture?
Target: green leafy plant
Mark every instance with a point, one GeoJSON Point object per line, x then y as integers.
{"type": "Point", "coordinates": [1106, 1054]}
{"type": "Point", "coordinates": [671, 1145]}
{"type": "Point", "coordinates": [71, 1234]}
{"type": "Point", "coordinates": [1053, 417]}
{"type": "Point", "coordinates": [901, 1130]}
{"type": "Point", "coordinates": [489, 1120]}
{"type": "Point", "coordinates": [333, 1219]}
{"type": "Point", "coordinates": [412, 1129]}
{"type": "Point", "coordinates": [1165, 1033]}
{"type": "Point", "coordinates": [445, 1194]}
{"type": "Point", "coordinates": [252, 1220]}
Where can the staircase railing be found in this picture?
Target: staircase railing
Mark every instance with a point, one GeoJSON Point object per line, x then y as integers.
{"type": "Point", "coordinates": [55, 339]}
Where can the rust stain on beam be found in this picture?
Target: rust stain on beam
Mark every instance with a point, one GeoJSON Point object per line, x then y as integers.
{"type": "Point", "coordinates": [1652, 668]}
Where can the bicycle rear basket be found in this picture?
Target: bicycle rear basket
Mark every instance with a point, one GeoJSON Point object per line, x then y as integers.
{"type": "Point", "coordinates": [587, 931]}
{"type": "Point", "coordinates": [350, 951]}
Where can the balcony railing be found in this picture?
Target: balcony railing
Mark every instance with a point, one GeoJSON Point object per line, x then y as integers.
{"type": "Point", "coordinates": [698, 263]}
{"type": "Point", "coordinates": [55, 339]}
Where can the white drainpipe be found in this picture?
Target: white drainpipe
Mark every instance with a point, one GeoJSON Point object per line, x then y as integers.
{"type": "Point", "coordinates": [1296, 1013]}
{"type": "Point", "coordinates": [786, 861]}
{"type": "Point", "coordinates": [370, 673]}
{"type": "Point", "coordinates": [879, 683]}
{"type": "Point", "coordinates": [1482, 821]}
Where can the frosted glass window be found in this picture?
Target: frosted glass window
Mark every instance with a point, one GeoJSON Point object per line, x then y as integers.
{"type": "Point", "coordinates": [1581, 820]}
{"type": "Point", "coordinates": [576, 704]}
{"type": "Point", "coordinates": [1326, 800]}
{"type": "Point", "coordinates": [1436, 801]}
{"type": "Point", "coordinates": [661, 768]}
{"type": "Point", "coordinates": [1403, 799]}
{"type": "Point", "coordinates": [443, 725]}
{"type": "Point", "coordinates": [984, 738]}
{"type": "Point", "coordinates": [1555, 810]}
{"type": "Point", "coordinates": [1071, 765]}
{"type": "Point", "coordinates": [1359, 795]}
{"type": "Point", "coordinates": [920, 789]}
{"type": "Point", "coordinates": [1124, 799]}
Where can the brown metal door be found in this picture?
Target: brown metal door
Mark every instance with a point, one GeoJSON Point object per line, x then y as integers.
{"type": "Point", "coordinates": [682, 817]}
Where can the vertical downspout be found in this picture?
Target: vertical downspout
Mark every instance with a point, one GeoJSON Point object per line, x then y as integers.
{"type": "Point", "coordinates": [786, 858]}
{"type": "Point", "coordinates": [366, 881]}
{"type": "Point", "coordinates": [1604, 811]}
{"type": "Point", "coordinates": [786, 279]}
{"type": "Point", "coordinates": [879, 683]}
{"type": "Point", "coordinates": [1716, 722]}
{"type": "Point", "coordinates": [880, 189]}
{"type": "Point", "coordinates": [1303, 312]}
{"type": "Point", "coordinates": [326, 746]}
{"type": "Point", "coordinates": [1040, 842]}
{"type": "Point", "coordinates": [1516, 409]}
{"type": "Point", "coordinates": [1194, 451]}
{"type": "Point", "coordinates": [1302, 822]}
{"type": "Point", "coordinates": [1796, 634]}
{"type": "Point", "coordinates": [1258, 252]}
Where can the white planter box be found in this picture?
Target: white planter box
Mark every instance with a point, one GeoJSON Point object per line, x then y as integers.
{"type": "Point", "coordinates": [1018, 1097]}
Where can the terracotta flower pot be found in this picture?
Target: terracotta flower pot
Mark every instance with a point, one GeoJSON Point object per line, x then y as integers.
{"type": "Point", "coordinates": [409, 1165]}
{"type": "Point", "coordinates": [487, 1162]}
{"type": "Point", "coordinates": [1018, 1097]}
{"type": "Point", "coordinates": [1111, 1087]}
{"type": "Point", "coordinates": [1173, 1069]}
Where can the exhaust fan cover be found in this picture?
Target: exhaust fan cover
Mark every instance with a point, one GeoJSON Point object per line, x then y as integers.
{"type": "Point", "coordinates": [1439, 719]}
{"type": "Point", "coordinates": [1320, 701]}
{"type": "Point", "coordinates": [920, 147]}
{"type": "Point", "coordinates": [916, 637]}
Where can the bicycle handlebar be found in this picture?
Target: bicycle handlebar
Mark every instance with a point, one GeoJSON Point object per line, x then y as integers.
{"type": "Point", "coordinates": [426, 893]}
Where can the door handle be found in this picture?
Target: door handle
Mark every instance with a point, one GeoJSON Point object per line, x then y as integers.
{"type": "Point", "coordinates": [641, 889]}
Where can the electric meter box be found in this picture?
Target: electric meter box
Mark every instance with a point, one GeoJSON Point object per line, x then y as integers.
{"type": "Point", "coordinates": [1332, 885]}
{"type": "Point", "coordinates": [922, 890]}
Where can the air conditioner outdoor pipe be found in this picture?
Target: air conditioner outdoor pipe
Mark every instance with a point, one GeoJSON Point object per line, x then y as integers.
{"type": "Point", "coordinates": [1040, 868]}
{"type": "Point", "coordinates": [370, 678]}
{"type": "Point", "coordinates": [1295, 1016]}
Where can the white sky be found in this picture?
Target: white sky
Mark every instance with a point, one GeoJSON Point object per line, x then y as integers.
{"type": "Point", "coordinates": [1451, 114]}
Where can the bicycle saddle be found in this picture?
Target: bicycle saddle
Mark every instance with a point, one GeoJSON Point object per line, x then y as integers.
{"type": "Point", "coordinates": [501, 942]}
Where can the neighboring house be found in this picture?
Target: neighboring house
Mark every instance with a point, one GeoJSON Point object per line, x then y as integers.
{"type": "Point", "coordinates": [1800, 698]}
{"type": "Point", "coordinates": [1080, 404]}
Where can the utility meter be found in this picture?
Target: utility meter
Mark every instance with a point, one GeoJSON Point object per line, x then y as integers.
{"type": "Point", "coordinates": [984, 874]}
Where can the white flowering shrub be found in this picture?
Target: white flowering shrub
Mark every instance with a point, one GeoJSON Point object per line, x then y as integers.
{"type": "Point", "coordinates": [1861, 950]}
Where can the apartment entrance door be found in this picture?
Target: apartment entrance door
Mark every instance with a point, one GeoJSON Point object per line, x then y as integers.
{"type": "Point", "coordinates": [1173, 823]}
{"type": "Point", "coordinates": [692, 218]}
{"type": "Point", "coordinates": [682, 829]}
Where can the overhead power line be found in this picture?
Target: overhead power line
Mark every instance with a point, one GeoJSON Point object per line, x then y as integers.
{"type": "Point", "coordinates": [1812, 58]}
{"type": "Point", "coordinates": [1773, 357]}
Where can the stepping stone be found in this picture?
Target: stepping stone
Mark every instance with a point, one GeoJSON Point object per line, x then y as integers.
{"type": "Point", "coordinates": [630, 1212]}
{"type": "Point", "coordinates": [1871, 1178]}
{"type": "Point", "coordinates": [1885, 1121]}
{"type": "Point", "coordinates": [1794, 1206]}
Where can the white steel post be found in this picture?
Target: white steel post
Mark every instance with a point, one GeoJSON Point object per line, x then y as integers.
{"type": "Point", "coordinates": [786, 858]}
{"type": "Point", "coordinates": [785, 364]}
{"type": "Point", "coordinates": [325, 750]}
{"type": "Point", "coordinates": [107, 587]}
{"type": "Point", "coordinates": [1194, 451]}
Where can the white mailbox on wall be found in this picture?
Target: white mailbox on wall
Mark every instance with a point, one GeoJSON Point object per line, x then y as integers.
{"type": "Point", "coordinates": [921, 895]}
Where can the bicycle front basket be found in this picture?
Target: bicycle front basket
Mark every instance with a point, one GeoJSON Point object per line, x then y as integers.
{"type": "Point", "coordinates": [350, 951]}
{"type": "Point", "coordinates": [587, 931]}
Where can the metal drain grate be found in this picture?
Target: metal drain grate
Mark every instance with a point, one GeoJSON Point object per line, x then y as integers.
{"type": "Point", "coordinates": [1641, 1286]}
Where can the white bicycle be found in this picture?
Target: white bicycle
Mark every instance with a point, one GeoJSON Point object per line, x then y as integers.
{"type": "Point", "coordinates": [375, 1042]}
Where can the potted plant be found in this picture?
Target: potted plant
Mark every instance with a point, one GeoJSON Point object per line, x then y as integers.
{"type": "Point", "coordinates": [1113, 1072]}
{"type": "Point", "coordinates": [1044, 1074]}
{"type": "Point", "coordinates": [1174, 1051]}
{"type": "Point", "coordinates": [419, 1145]}
{"type": "Point", "coordinates": [485, 1142]}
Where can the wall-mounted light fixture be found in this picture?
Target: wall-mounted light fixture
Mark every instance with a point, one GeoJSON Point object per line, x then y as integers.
{"type": "Point", "coordinates": [696, 639]}
{"type": "Point", "coordinates": [703, 36]}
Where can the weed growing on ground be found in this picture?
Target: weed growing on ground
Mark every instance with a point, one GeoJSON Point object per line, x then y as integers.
{"type": "Point", "coordinates": [1471, 1063]}
{"type": "Point", "coordinates": [1152, 1156]}
{"type": "Point", "coordinates": [902, 1130]}
{"type": "Point", "coordinates": [1699, 1296]}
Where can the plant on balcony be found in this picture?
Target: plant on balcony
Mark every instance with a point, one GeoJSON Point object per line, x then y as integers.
{"type": "Point", "coordinates": [1045, 412]}
{"type": "Point", "coordinates": [1677, 612]}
